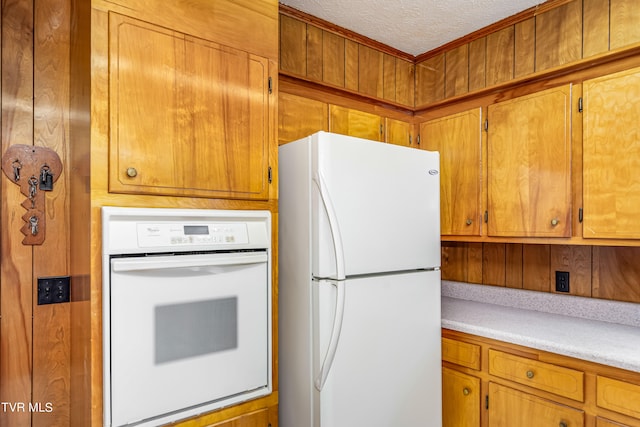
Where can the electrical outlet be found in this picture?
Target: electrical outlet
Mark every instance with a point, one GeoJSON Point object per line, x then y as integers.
{"type": "Point", "coordinates": [562, 281]}
{"type": "Point", "coordinates": [53, 290]}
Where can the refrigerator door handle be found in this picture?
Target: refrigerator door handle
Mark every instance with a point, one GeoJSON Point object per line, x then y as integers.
{"type": "Point", "coordinates": [335, 336]}
{"type": "Point", "coordinates": [333, 225]}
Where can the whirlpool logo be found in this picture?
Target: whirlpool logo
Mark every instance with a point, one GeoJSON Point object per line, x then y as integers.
{"type": "Point", "coordinates": [433, 172]}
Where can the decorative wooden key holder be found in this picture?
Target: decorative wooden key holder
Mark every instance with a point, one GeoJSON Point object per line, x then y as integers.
{"type": "Point", "coordinates": [34, 169]}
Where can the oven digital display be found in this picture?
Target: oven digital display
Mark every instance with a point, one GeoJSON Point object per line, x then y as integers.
{"type": "Point", "coordinates": [192, 230]}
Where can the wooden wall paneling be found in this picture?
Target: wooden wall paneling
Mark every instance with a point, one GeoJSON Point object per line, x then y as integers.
{"type": "Point", "coordinates": [535, 267]}
{"type": "Point", "coordinates": [625, 16]}
{"type": "Point", "coordinates": [405, 82]}
{"type": "Point", "coordinates": [513, 265]}
{"type": "Point", "coordinates": [454, 261]}
{"type": "Point", "coordinates": [430, 80]}
{"type": "Point", "coordinates": [595, 21]}
{"type": "Point", "coordinates": [576, 260]}
{"type": "Point", "coordinates": [477, 64]}
{"type": "Point", "coordinates": [457, 71]}
{"type": "Point", "coordinates": [351, 67]}
{"type": "Point", "coordinates": [525, 42]}
{"type": "Point", "coordinates": [299, 116]}
{"type": "Point", "coordinates": [293, 46]}
{"type": "Point", "coordinates": [16, 266]}
{"type": "Point", "coordinates": [559, 36]}
{"type": "Point", "coordinates": [616, 273]}
{"type": "Point", "coordinates": [370, 72]}
{"type": "Point", "coordinates": [474, 262]}
{"type": "Point", "coordinates": [333, 59]}
{"type": "Point", "coordinates": [389, 77]}
{"type": "Point", "coordinates": [52, 323]}
{"type": "Point", "coordinates": [493, 264]}
{"type": "Point", "coordinates": [500, 56]}
{"type": "Point", "coordinates": [314, 53]}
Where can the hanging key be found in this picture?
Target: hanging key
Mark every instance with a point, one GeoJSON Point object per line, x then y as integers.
{"type": "Point", "coordinates": [33, 222]}
{"type": "Point", "coordinates": [46, 178]}
{"type": "Point", "coordinates": [33, 190]}
{"type": "Point", "coordinates": [16, 165]}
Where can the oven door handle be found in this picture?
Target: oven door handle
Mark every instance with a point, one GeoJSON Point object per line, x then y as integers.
{"type": "Point", "coordinates": [186, 261]}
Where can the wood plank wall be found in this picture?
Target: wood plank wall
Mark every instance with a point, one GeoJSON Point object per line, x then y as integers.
{"type": "Point", "coordinates": [557, 33]}
{"type": "Point", "coordinates": [353, 64]}
{"type": "Point", "coordinates": [605, 272]}
{"type": "Point", "coordinates": [34, 339]}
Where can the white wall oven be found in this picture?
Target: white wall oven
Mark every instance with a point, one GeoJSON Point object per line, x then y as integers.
{"type": "Point", "coordinates": [186, 312]}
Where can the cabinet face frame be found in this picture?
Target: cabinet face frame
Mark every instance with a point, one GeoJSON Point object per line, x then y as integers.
{"type": "Point", "coordinates": [529, 165]}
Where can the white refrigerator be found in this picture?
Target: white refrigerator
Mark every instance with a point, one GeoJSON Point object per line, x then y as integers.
{"type": "Point", "coordinates": [359, 284]}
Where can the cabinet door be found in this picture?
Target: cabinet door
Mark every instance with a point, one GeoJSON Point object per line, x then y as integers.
{"type": "Point", "coordinates": [188, 117]}
{"type": "Point", "coordinates": [254, 419]}
{"type": "Point", "coordinates": [611, 186]}
{"type": "Point", "coordinates": [509, 407]}
{"type": "Point", "coordinates": [299, 117]}
{"type": "Point", "coordinates": [458, 138]}
{"type": "Point", "coordinates": [461, 399]}
{"type": "Point", "coordinates": [529, 165]}
{"type": "Point", "coordinates": [348, 121]}
{"type": "Point", "coordinates": [398, 132]}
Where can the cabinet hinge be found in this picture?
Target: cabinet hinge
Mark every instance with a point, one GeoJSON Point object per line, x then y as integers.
{"type": "Point", "coordinates": [580, 215]}
{"type": "Point", "coordinates": [486, 216]}
{"type": "Point", "coordinates": [579, 105]}
{"type": "Point", "coordinates": [269, 174]}
{"type": "Point", "coordinates": [270, 85]}
{"type": "Point", "coordinates": [486, 125]}
{"type": "Point", "coordinates": [486, 402]}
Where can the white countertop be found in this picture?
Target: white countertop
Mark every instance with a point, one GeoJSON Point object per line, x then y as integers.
{"type": "Point", "coordinates": [605, 332]}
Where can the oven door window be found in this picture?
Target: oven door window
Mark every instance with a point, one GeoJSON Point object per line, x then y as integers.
{"type": "Point", "coordinates": [186, 330]}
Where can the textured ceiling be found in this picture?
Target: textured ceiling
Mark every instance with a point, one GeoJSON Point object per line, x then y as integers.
{"type": "Point", "coordinates": [412, 26]}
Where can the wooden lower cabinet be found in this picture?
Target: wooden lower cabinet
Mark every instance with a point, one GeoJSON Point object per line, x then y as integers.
{"type": "Point", "coordinates": [509, 407]}
{"type": "Point", "coordinates": [461, 399]}
{"type": "Point", "coordinates": [489, 383]}
{"type": "Point", "coordinates": [259, 418]}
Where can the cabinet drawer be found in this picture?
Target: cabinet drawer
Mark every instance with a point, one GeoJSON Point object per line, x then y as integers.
{"type": "Point", "coordinates": [509, 407]}
{"type": "Point", "coordinates": [543, 376]}
{"type": "Point", "coordinates": [461, 353]}
{"type": "Point", "coordinates": [619, 396]}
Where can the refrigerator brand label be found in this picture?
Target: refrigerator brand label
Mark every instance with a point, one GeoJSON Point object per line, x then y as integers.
{"type": "Point", "coordinates": [433, 172]}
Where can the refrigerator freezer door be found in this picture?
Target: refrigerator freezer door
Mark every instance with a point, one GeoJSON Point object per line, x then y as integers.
{"type": "Point", "coordinates": [384, 201]}
{"type": "Point", "coordinates": [386, 370]}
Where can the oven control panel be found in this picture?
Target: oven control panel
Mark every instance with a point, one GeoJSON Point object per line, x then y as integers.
{"type": "Point", "coordinates": [191, 234]}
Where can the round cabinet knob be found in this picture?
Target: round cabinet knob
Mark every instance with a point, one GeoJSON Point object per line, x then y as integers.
{"type": "Point", "coordinates": [529, 374]}
{"type": "Point", "coordinates": [554, 222]}
{"type": "Point", "coordinates": [466, 391]}
{"type": "Point", "coordinates": [132, 172]}
{"type": "Point", "coordinates": [562, 424]}
{"type": "Point", "coordinates": [469, 222]}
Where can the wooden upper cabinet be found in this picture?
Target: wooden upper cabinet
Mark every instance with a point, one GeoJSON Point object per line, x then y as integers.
{"type": "Point", "coordinates": [529, 165]}
{"type": "Point", "coordinates": [347, 121]}
{"type": "Point", "coordinates": [611, 155]}
{"type": "Point", "coordinates": [399, 133]}
{"type": "Point", "coordinates": [299, 117]}
{"type": "Point", "coordinates": [458, 138]}
{"type": "Point", "coordinates": [188, 117]}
